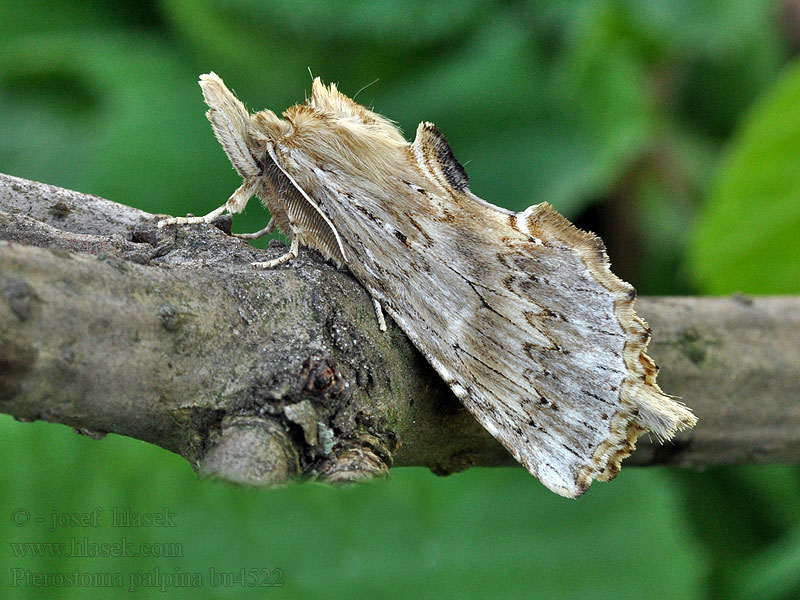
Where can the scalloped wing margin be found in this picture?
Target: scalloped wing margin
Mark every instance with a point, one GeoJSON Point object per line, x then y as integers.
{"type": "Point", "coordinates": [643, 406]}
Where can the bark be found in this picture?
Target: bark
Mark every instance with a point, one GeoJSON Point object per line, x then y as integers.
{"type": "Point", "coordinates": [108, 324]}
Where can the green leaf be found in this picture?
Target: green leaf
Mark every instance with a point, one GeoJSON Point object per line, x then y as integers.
{"type": "Point", "coordinates": [400, 23]}
{"type": "Point", "coordinates": [121, 117]}
{"type": "Point", "coordinates": [710, 29]}
{"type": "Point", "coordinates": [598, 89]}
{"type": "Point", "coordinates": [746, 238]}
{"type": "Point", "coordinates": [494, 533]}
{"type": "Point", "coordinates": [88, 16]}
{"type": "Point", "coordinates": [529, 129]}
{"type": "Point", "coordinates": [773, 574]}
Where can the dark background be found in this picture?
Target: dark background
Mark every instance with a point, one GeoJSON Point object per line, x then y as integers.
{"type": "Point", "coordinates": [672, 129]}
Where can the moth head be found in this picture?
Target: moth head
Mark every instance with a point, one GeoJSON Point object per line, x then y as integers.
{"type": "Point", "coordinates": [330, 128]}
{"type": "Point", "coordinates": [269, 127]}
{"type": "Point", "coordinates": [327, 108]}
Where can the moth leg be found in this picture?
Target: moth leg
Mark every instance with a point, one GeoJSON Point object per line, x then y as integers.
{"type": "Point", "coordinates": [292, 253]}
{"type": "Point", "coordinates": [257, 234]}
{"type": "Point", "coordinates": [379, 314]}
{"type": "Point", "coordinates": [193, 220]}
{"type": "Point", "coordinates": [234, 205]}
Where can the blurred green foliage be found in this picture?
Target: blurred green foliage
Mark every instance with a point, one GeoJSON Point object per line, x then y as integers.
{"type": "Point", "coordinates": [748, 235]}
{"type": "Point", "coordinates": [672, 129]}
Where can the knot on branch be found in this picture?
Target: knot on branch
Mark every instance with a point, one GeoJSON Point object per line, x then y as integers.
{"type": "Point", "coordinates": [366, 457]}
{"type": "Point", "coordinates": [250, 450]}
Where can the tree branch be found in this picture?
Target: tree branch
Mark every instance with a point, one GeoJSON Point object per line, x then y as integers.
{"type": "Point", "coordinates": [109, 324]}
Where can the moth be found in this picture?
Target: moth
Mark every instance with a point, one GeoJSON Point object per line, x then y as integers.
{"type": "Point", "coordinates": [517, 311]}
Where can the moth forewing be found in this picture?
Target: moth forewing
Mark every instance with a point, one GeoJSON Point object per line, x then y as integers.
{"type": "Point", "coordinates": [517, 312]}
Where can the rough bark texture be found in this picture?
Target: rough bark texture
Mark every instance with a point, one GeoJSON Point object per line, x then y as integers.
{"type": "Point", "coordinates": [108, 324]}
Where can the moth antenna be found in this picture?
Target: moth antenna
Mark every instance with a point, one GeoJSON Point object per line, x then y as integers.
{"type": "Point", "coordinates": [365, 87]}
{"type": "Point", "coordinates": [311, 202]}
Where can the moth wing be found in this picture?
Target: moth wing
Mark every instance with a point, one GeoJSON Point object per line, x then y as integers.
{"type": "Point", "coordinates": [518, 312]}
